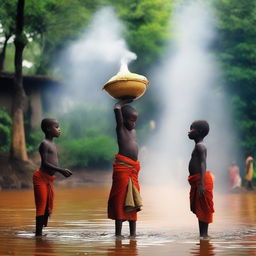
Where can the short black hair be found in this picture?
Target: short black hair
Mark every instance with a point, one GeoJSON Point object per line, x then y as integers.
{"type": "Point", "coordinates": [47, 123]}
{"type": "Point", "coordinates": [202, 127]}
{"type": "Point", "coordinates": [127, 110]}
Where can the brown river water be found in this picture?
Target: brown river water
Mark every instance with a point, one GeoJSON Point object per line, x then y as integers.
{"type": "Point", "coordinates": [165, 226]}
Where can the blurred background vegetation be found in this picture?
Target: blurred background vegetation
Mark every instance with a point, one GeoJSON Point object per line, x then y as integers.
{"type": "Point", "coordinates": [90, 141]}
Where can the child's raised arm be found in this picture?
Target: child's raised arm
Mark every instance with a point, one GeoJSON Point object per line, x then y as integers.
{"type": "Point", "coordinates": [118, 112]}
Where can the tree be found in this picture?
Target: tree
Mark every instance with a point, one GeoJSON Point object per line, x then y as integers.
{"type": "Point", "coordinates": [7, 18]}
{"type": "Point", "coordinates": [51, 24]}
{"type": "Point", "coordinates": [18, 145]}
{"type": "Point", "coordinates": [62, 21]}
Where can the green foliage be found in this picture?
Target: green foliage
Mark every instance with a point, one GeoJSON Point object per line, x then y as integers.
{"type": "Point", "coordinates": [87, 138]}
{"type": "Point", "coordinates": [60, 22]}
{"type": "Point", "coordinates": [237, 54]}
{"type": "Point", "coordinates": [51, 24]}
{"type": "Point", "coordinates": [147, 23]}
{"type": "Point", "coordinates": [237, 44]}
{"type": "Point", "coordinates": [5, 130]}
{"type": "Point", "coordinates": [86, 121]}
{"type": "Point", "coordinates": [97, 151]}
{"type": "Point", "coordinates": [8, 16]}
{"type": "Point", "coordinates": [33, 140]}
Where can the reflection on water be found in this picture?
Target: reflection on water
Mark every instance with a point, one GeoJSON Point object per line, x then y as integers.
{"type": "Point", "coordinates": [79, 226]}
{"type": "Point", "coordinates": [122, 248]}
{"type": "Point", "coordinates": [43, 247]}
{"type": "Point", "coordinates": [203, 248]}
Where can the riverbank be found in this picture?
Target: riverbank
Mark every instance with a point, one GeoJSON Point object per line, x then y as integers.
{"type": "Point", "coordinates": [18, 175]}
{"type": "Point", "coordinates": [15, 174]}
{"type": "Point", "coordinates": [84, 177]}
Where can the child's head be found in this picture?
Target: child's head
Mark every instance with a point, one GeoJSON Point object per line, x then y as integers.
{"type": "Point", "coordinates": [130, 116]}
{"type": "Point", "coordinates": [199, 129]}
{"type": "Point", "coordinates": [50, 127]}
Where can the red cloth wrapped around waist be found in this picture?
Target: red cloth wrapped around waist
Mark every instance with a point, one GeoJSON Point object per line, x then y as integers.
{"type": "Point", "coordinates": [43, 191]}
{"type": "Point", "coordinates": [123, 169]}
{"type": "Point", "coordinates": [202, 206]}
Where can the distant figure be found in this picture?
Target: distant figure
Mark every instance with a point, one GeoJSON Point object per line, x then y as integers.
{"type": "Point", "coordinates": [201, 181]}
{"type": "Point", "coordinates": [124, 199]}
{"type": "Point", "coordinates": [44, 176]}
{"type": "Point", "coordinates": [249, 172]}
{"type": "Point", "coordinates": [234, 177]}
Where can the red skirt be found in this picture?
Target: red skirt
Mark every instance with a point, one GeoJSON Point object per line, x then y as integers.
{"type": "Point", "coordinates": [202, 206]}
{"type": "Point", "coordinates": [44, 195]}
{"type": "Point", "coordinates": [123, 169]}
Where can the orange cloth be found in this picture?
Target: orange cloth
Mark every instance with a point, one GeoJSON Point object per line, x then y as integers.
{"type": "Point", "coordinates": [202, 206]}
{"type": "Point", "coordinates": [123, 169]}
{"type": "Point", "coordinates": [234, 177]}
{"type": "Point", "coordinates": [43, 191]}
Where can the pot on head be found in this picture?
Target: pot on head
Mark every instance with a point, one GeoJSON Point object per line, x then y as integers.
{"type": "Point", "coordinates": [126, 85]}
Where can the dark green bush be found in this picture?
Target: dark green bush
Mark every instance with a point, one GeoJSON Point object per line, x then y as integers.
{"type": "Point", "coordinates": [96, 152]}
{"type": "Point", "coordinates": [34, 139]}
{"type": "Point", "coordinates": [5, 130]}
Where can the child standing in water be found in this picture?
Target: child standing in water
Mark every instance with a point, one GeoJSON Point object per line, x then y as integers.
{"type": "Point", "coordinates": [44, 176]}
{"type": "Point", "coordinates": [124, 199]}
{"type": "Point", "coordinates": [201, 193]}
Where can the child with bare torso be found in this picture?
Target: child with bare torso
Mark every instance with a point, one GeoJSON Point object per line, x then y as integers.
{"type": "Point", "coordinates": [125, 166]}
{"type": "Point", "coordinates": [44, 176]}
{"type": "Point", "coordinates": [200, 180]}
{"type": "Point", "coordinates": [125, 130]}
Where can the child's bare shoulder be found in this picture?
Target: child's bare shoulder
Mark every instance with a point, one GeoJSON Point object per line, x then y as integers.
{"type": "Point", "coordinates": [46, 144]}
{"type": "Point", "coordinates": [200, 146]}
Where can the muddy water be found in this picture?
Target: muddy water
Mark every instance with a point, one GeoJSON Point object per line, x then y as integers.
{"type": "Point", "coordinates": [166, 227]}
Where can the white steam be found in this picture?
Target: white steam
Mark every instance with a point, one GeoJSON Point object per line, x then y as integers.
{"type": "Point", "coordinates": [88, 64]}
{"type": "Point", "coordinates": [188, 83]}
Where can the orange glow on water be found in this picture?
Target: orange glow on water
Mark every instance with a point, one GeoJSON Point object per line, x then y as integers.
{"type": "Point", "coordinates": [79, 225]}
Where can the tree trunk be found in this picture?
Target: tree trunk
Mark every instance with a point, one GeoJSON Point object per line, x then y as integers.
{"type": "Point", "coordinates": [18, 146]}
{"type": "Point", "coordinates": [2, 54]}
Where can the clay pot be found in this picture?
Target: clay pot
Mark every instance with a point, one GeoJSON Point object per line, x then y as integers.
{"type": "Point", "coordinates": [126, 85]}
